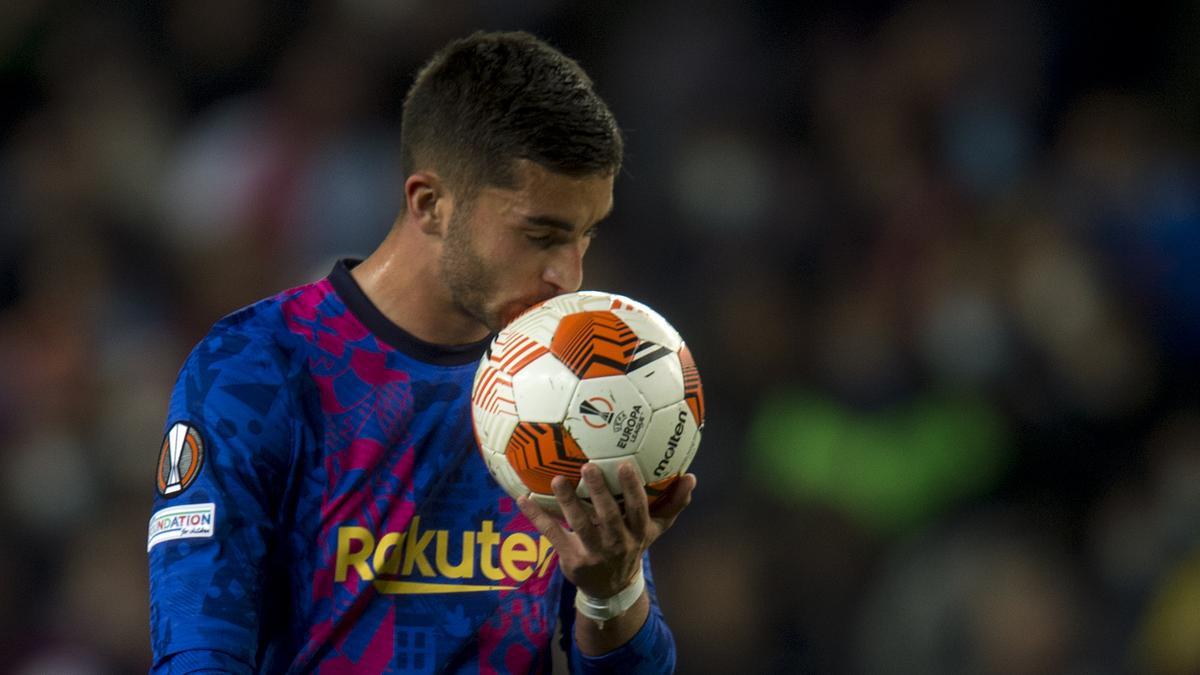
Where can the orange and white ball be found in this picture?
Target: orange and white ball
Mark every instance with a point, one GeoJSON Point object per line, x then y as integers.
{"type": "Point", "coordinates": [587, 376]}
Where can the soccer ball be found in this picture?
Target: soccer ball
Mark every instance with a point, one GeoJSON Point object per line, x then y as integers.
{"type": "Point", "coordinates": [587, 376]}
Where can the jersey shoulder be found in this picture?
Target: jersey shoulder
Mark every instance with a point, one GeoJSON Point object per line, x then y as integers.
{"type": "Point", "coordinates": [244, 368]}
{"type": "Point", "coordinates": [259, 338]}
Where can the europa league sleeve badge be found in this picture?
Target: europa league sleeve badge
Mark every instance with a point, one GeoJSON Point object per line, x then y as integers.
{"type": "Point", "coordinates": [180, 459]}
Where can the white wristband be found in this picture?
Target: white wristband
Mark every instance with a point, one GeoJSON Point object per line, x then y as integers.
{"type": "Point", "coordinates": [603, 609]}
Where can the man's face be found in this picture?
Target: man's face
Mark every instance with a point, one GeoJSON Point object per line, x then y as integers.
{"type": "Point", "coordinates": [510, 249]}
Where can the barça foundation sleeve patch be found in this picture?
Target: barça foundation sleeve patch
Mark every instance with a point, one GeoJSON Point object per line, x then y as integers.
{"type": "Point", "coordinates": [187, 521]}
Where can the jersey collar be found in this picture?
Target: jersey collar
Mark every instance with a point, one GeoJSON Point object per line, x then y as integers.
{"type": "Point", "coordinates": [365, 311]}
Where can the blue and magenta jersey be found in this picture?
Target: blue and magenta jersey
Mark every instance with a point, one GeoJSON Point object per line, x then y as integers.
{"type": "Point", "coordinates": [321, 506]}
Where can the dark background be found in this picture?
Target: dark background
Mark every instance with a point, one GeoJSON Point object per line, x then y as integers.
{"type": "Point", "coordinates": [937, 262]}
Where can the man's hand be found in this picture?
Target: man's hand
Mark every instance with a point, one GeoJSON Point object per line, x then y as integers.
{"type": "Point", "coordinates": [602, 551]}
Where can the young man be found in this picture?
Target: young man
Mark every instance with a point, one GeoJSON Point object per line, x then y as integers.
{"type": "Point", "coordinates": [321, 505]}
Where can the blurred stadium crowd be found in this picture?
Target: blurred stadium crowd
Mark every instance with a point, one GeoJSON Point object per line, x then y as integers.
{"type": "Point", "coordinates": [938, 263]}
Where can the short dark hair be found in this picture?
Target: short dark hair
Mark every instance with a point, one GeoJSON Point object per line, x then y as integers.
{"type": "Point", "coordinates": [489, 99]}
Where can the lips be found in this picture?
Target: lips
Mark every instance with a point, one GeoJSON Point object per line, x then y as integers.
{"type": "Point", "coordinates": [512, 311]}
{"type": "Point", "coordinates": [517, 308]}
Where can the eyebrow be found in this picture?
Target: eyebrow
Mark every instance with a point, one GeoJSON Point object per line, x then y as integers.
{"type": "Point", "coordinates": [558, 224]}
{"type": "Point", "coordinates": [549, 221]}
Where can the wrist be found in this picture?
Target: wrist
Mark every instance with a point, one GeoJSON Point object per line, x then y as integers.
{"type": "Point", "coordinates": [606, 609]}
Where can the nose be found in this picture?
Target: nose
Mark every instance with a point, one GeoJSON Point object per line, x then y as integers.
{"type": "Point", "coordinates": [564, 270]}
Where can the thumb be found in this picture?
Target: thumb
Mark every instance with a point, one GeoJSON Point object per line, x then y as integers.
{"type": "Point", "coordinates": [666, 511]}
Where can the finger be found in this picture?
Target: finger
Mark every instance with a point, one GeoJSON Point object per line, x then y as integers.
{"type": "Point", "coordinates": [637, 513]}
{"type": "Point", "coordinates": [608, 513]}
{"type": "Point", "coordinates": [549, 528]}
{"type": "Point", "coordinates": [669, 509]}
{"type": "Point", "coordinates": [574, 510]}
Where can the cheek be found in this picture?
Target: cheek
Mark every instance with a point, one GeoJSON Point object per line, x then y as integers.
{"type": "Point", "coordinates": [513, 260]}
{"type": "Point", "coordinates": [513, 276]}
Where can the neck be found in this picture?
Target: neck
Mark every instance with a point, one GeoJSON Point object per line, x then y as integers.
{"type": "Point", "coordinates": [401, 278]}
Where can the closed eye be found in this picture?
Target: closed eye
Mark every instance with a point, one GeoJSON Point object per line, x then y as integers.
{"type": "Point", "coordinates": [548, 232]}
{"type": "Point", "coordinates": [542, 240]}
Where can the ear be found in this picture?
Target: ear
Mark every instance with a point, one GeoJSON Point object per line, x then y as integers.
{"type": "Point", "coordinates": [427, 202]}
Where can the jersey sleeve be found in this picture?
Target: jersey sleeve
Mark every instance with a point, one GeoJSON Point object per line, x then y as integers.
{"type": "Point", "coordinates": [222, 468]}
{"type": "Point", "coordinates": [650, 651]}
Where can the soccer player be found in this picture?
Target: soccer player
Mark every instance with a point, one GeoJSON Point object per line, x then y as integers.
{"type": "Point", "coordinates": [321, 505]}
